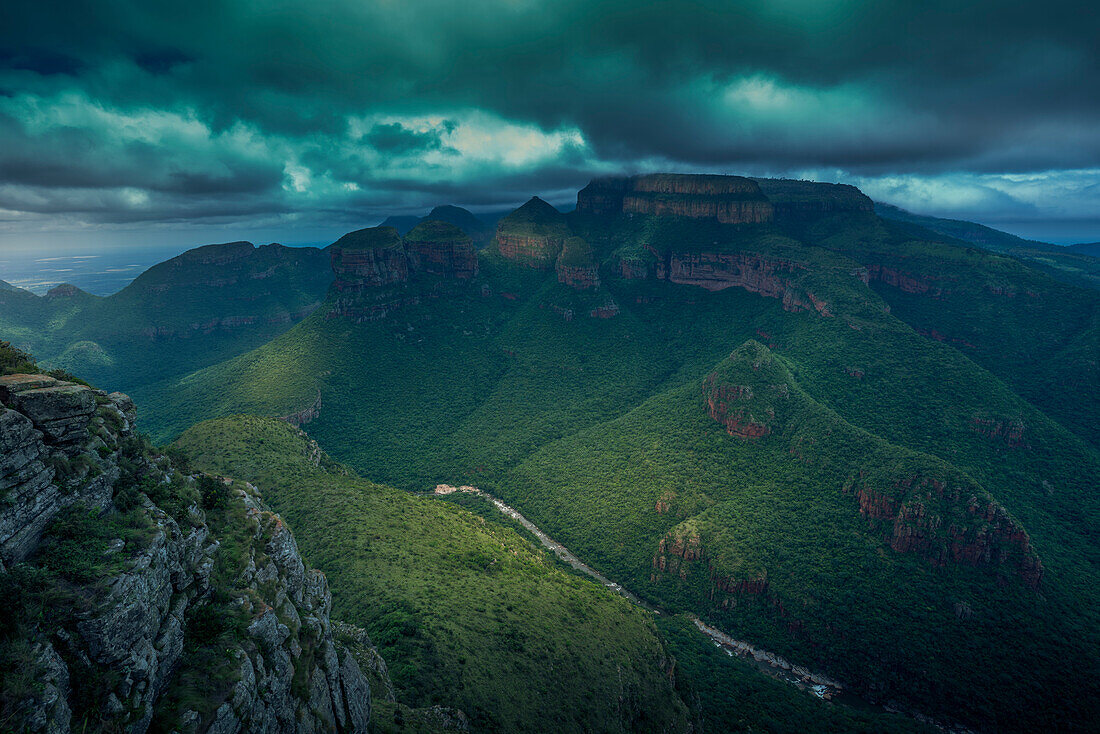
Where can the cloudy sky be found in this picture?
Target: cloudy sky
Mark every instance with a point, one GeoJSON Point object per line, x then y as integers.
{"type": "Point", "coordinates": [128, 120]}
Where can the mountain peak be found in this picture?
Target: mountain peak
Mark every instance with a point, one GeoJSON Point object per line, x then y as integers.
{"type": "Point", "coordinates": [217, 254]}
{"type": "Point", "coordinates": [537, 208]}
{"type": "Point", "coordinates": [431, 230]}
{"type": "Point", "coordinates": [371, 238]}
{"type": "Point", "coordinates": [65, 290]}
{"type": "Point", "coordinates": [455, 215]}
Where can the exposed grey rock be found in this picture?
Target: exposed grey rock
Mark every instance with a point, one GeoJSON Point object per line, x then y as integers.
{"type": "Point", "coordinates": [48, 710]}
{"type": "Point", "coordinates": [125, 406]}
{"type": "Point", "coordinates": [61, 410]}
{"type": "Point", "coordinates": [29, 496]}
{"type": "Point", "coordinates": [356, 693]}
{"type": "Point", "coordinates": [290, 674]}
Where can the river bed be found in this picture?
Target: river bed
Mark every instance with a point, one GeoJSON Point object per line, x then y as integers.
{"type": "Point", "coordinates": [804, 679]}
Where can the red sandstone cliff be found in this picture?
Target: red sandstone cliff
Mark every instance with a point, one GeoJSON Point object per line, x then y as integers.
{"type": "Point", "coordinates": [716, 271]}
{"type": "Point", "coordinates": [439, 248]}
{"type": "Point", "coordinates": [532, 235]}
{"type": "Point", "coordinates": [726, 199]}
{"type": "Point", "coordinates": [575, 265]}
{"type": "Point", "coordinates": [730, 405]}
{"type": "Point", "coordinates": [369, 258]}
{"type": "Point", "coordinates": [374, 268]}
{"type": "Point", "coordinates": [946, 523]}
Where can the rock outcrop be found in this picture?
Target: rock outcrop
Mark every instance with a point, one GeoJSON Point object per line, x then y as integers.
{"type": "Point", "coordinates": [734, 408]}
{"type": "Point", "coordinates": [682, 550]}
{"type": "Point", "coordinates": [576, 267]}
{"type": "Point", "coordinates": [439, 248]}
{"type": "Point", "coordinates": [532, 235]}
{"type": "Point", "coordinates": [946, 522]}
{"type": "Point", "coordinates": [57, 447]}
{"type": "Point", "coordinates": [1008, 431]}
{"type": "Point", "coordinates": [725, 199]}
{"type": "Point", "coordinates": [907, 282]}
{"type": "Point", "coordinates": [376, 268]}
{"type": "Point", "coordinates": [769, 276]}
{"type": "Point", "coordinates": [369, 258]}
{"type": "Point", "coordinates": [802, 200]}
{"type": "Point", "coordinates": [154, 615]}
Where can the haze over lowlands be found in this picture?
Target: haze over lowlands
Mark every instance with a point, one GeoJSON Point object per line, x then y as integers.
{"type": "Point", "coordinates": [549, 367]}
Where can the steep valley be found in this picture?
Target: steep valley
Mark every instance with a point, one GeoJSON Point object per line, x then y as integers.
{"type": "Point", "coordinates": [859, 444]}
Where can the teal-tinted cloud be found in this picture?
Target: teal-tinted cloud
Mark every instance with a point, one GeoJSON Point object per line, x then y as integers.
{"type": "Point", "coordinates": [117, 110]}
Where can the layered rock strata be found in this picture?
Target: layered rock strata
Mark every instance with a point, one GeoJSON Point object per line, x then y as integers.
{"type": "Point", "coordinates": [439, 248]}
{"type": "Point", "coordinates": [532, 235]}
{"type": "Point", "coordinates": [128, 640]}
{"type": "Point", "coordinates": [947, 523]}
{"type": "Point", "coordinates": [725, 199]}
{"type": "Point", "coordinates": [575, 266]}
{"type": "Point", "coordinates": [374, 268]}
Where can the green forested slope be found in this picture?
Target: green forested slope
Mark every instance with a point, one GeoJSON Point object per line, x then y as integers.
{"type": "Point", "coordinates": [467, 613]}
{"type": "Point", "coordinates": [924, 380]}
{"type": "Point", "coordinates": [200, 308]}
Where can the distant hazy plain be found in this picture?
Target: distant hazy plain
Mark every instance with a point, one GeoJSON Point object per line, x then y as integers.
{"type": "Point", "coordinates": [95, 269]}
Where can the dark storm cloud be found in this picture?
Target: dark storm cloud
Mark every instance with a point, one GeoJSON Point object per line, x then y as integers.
{"type": "Point", "coordinates": [396, 138]}
{"type": "Point", "coordinates": [187, 108]}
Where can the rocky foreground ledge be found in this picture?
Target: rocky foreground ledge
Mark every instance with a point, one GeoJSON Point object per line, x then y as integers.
{"type": "Point", "coordinates": [139, 596]}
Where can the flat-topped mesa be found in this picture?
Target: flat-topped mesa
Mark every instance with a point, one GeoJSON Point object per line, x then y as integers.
{"type": "Point", "coordinates": [726, 199]}
{"type": "Point", "coordinates": [440, 248]}
{"type": "Point", "coordinates": [532, 235]}
{"type": "Point", "coordinates": [369, 257]}
{"type": "Point", "coordinates": [798, 200]}
{"type": "Point", "coordinates": [576, 267]}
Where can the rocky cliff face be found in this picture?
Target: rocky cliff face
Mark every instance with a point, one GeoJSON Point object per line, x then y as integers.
{"type": "Point", "coordinates": [532, 235]}
{"type": "Point", "coordinates": [726, 199]}
{"type": "Point", "coordinates": [439, 248]}
{"type": "Point", "coordinates": [948, 523]}
{"type": "Point", "coordinates": [731, 406]}
{"type": "Point", "coordinates": [47, 426]}
{"type": "Point", "coordinates": [804, 200]}
{"type": "Point", "coordinates": [906, 282]}
{"type": "Point", "coordinates": [375, 267]}
{"type": "Point", "coordinates": [137, 594]}
{"type": "Point", "coordinates": [369, 258]}
{"type": "Point", "coordinates": [537, 251]}
{"type": "Point", "coordinates": [682, 548]}
{"type": "Point", "coordinates": [715, 271]}
{"type": "Point", "coordinates": [575, 266]}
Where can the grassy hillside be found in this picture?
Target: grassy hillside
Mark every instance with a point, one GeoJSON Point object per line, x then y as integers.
{"type": "Point", "coordinates": [1076, 264]}
{"type": "Point", "coordinates": [1019, 323]}
{"type": "Point", "coordinates": [907, 497]}
{"type": "Point", "coordinates": [200, 308]}
{"type": "Point", "coordinates": [467, 613]}
{"type": "Point", "coordinates": [780, 552]}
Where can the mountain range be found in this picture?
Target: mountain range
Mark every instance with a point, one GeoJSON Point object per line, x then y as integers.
{"type": "Point", "coordinates": [860, 439]}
